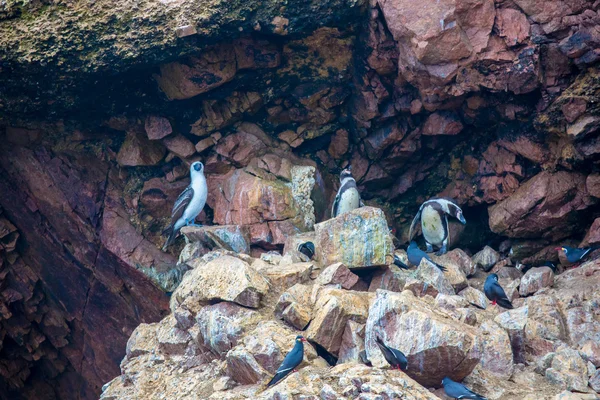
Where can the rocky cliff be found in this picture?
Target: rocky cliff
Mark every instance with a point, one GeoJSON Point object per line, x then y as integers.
{"type": "Point", "coordinates": [104, 104]}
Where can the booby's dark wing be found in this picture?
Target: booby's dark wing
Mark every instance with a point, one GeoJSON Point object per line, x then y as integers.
{"type": "Point", "coordinates": [414, 223]}
{"type": "Point", "coordinates": [291, 361]}
{"type": "Point", "coordinates": [178, 209]}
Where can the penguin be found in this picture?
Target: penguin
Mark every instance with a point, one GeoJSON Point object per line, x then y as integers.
{"type": "Point", "coordinates": [415, 255]}
{"type": "Point", "coordinates": [347, 198]}
{"type": "Point", "coordinates": [494, 292]}
{"type": "Point", "coordinates": [457, 390]}
{"type": "Point", "coordinates": [571, 256]}
{"type": "Point", "coordinates": [308, 249]}
{"type": "Point", "coordinates": [434, 223]}
{"type": "Point", "coordinates": [189, 203]}
{"type": "Point", "coordinates": [290, 362]}
{"type": "Point", "coordinates": [394, 357]}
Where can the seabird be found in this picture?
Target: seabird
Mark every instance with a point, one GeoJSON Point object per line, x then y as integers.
{"type": "Point", "coordinates": [394, 357]}
{"type": "Point", "coordinates": [398, 262]}
{"type": "Point", "coordinates": [189, 203]}
{"type": "Point", "coordinates": [308, 249]}
{"type": "Point", "coordinates": [494, 292]}
{"type": "Point", "coordinates": [415, 255]}
{"type": "Point", "coordinates": [290, 362]}
{"type": "Point", "coordinates": [347, 198]}
{"type": "Point", "coordinates": [571, 256]}
{"type": "Point", "coordinates": [459, 391]}
{"type": "Point", "coordinates": [434, 223]}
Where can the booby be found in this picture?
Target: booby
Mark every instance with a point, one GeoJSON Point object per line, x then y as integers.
{"type": "Point", "coordinates": [457, 390]}
{"type": "Point", "coordinates": [394, 357]}
{"type": "Point", "coordinates": [494, 292]}
{"type": "Point", "coordinates": [415, 255]}
{"type": "Point", "coordinates": [571, 256]}
{"type": "Point", "coordinates": [347, 198]}
{"type": "Point", "coordinates": [189, 203]}
{"type": "Point", "coordinates": [434, 222]}
{"type": "Point", "coordinates": [291, 361]}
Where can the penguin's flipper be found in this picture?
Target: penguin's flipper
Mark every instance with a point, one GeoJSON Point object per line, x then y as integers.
{"type": "Point", "coordinates": [414, 223]}
{"type": "Point", "coordinates": [336, 203]}
{"type": "Point", "coordinates": [361, 203]}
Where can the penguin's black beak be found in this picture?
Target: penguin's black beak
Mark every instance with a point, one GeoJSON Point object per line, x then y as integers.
{"type": "Point", "coordinates": [462, 219]}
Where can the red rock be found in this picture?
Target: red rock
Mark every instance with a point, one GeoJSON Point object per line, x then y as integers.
{"type": "Point", "coordinates": [218, 114]}
{"type": "Point", "coordinates": [512, 25]}
{"type": "Point", "coordinates": [592, 236]}
{"type": "Point", "coordinates": [204, 144]}
{"type": "Point", "coordinates": [22, 136]}
{"type": "Point", "coordinates": [157, 127]}
{"type": "Point", "coordinates": [158, 196]}
{"type": "Point", "coordinates": [253, 54]}
{"type": "Point", "coordinates": [339, 144]}
{"type": "Point", "coordinates": [337, 274]}
{"type": "Point", "coordinates": [240, 147]}
{"type": "Point", "coordinates": [442, 123]}
{"type": "Point", "coordinates": [138, 151]}
{"type": "Point", "coordinates": [180, 145]}
{"type": "Point", "coordinates": [536, 279]}
{"type": "Point", "coordinates": [381, 139]}
{"type": "Point", "coordinates": [545, 204]}
{"type": "Point", "coordinates": [574, 108]}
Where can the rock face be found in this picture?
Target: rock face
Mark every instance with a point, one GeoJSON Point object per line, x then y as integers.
{"type": "Point", "coordinates": [359, 238]}
{"type": "Point", "coordinates": [104, 105]}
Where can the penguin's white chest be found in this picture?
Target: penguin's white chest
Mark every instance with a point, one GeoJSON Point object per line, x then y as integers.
{"type": "Point", "coordinates": [349, 200]}
{"type": "Point", "coordinates": [432, 226]}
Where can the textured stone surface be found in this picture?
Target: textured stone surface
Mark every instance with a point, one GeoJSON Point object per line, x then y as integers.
{"type": "Point", "coordinates": [359, 238]}
{"type": "Point", "coordinates": [536, 279]}
{"type": "Point", "coordinates": [337, 274]}
{"type": "Point", "coordinates": [436, 343]}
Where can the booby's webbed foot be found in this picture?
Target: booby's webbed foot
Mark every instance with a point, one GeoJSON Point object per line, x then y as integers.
{"type": "Point", "coordinates": [429, 248]}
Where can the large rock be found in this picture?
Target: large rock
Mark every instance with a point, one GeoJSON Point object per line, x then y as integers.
{"type": "Point", "coordinates": [497, 355]}
{"type": "Point", "coordinates": [434, 344]}
{"type": "Point", "coordinates": [228, 237]}
{"type": "Point", "coordinates": [486, 258]}
{"type": "Point", "coordinates": [337, 274]}
{"type": "Point", "coordinates": [359, 238]}
{"type": "Point", "coordinates": [568, 370]}
{"type": "Point", "coordinates": [295, 306]}
{"type": "Point", "coordinates": [542, 206]}
{"type": "Point", "coordinates": [332, 310]}
{"type": "Point", "coordinates": [536, 279]}
{"type": "Point", "coordinates": [514, 322]}
{"type": "Point", "coordinates": [138, 151]}
{"type": "Point", "coordinates": [434, 277]}
{"type": "Point", "coordinates": [224, 278]}
{"type": "Point", "coordinates": [283, 276]}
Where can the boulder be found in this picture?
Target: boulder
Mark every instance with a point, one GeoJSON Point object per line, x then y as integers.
{"type": "Point", "coordinates": [337, 273]}
{"type": "Point", "coordinates": [358, 239]}
{"type": "Point", "coordinates": [224, 278]}
{"type": "Point", "coordinates": [353, 342]}
{"type": "Point", "coordinates": [592, 237]}
{"type": "Point", "coordinates": [486, 258]}
{"type": "Point", "coordinates": [497, 355]}
{"type": "Point", "coordinates": [542, 206]}
{"type": "Point", "coordinates": [171, 339]}
{"type": "Point", "coordinates": [434, 344]}
{"type": "Point", "coordinates": [261, 352]}
{"type": "Point", "coordinates": [433, 276]}
{"type": "Point", "coordinates": [180, 146]}
{"type": "Point", "coordinates": [222, 325]}
{"type": "Point", "coordinates": [442, 123]}
{"type": "Point", "coordinates": [594, 381]}
{"type": "Point", "coordinates": [283, 276]}
{"type": "Point", "coordinates": [143, 340]}
{"type": "Point", "coordinates": [332, 311]}
{"type": "Point", "coordinates": [590, 351]}
{"type": "Point", "coordinates": [456, 262]}
{"type": "Point", "coordinates": [234, 238]}
{"type": "Point", "coordinates": [536, 279]}
{"type": "Point", "coordinates": [390, 278]}
{"type": "Point", "coordinates": [157, 127]}
{"type": "Point", "coordinates": [138, 151]}
{"type": "Point", "coordinates": [295, 307]}
{"type": "Point", "coordinates": [514, 322]}
{"type": "Point", "coordinates": [568, 370]}
{"type": "Point", "coordinates": [474, 297]}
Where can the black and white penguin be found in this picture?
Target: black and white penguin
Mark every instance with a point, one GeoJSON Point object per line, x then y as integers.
{"type": "Point", "coordinates": [457, 390]}
{"type": "Point", "coordinates": [394, 357]}
{"type": "Point", "coordinates": [347, 198]}
{"type": "Point", "coordinates": [434, 223]}
{"type": "Point", "coordinates": [290, 362]}
{"type": "Point", "coordinates": [189, 204]}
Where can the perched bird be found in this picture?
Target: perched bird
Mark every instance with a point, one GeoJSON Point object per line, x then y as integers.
{"type": "Point", "coordinates": [189, 203]}
{"type": "Point", "coordinates": [347, 198]}
{"type": "Point", "coordinates": [290, 362]}
{"type": "Point", "coordinates": [394, 357]}
{"type": "Point", "coordinates": [307, 248]}
{"type": "Point", "coordinates": [434, 223]}
{"type": "Point", "coordinates": [398, 262]}
{"type": "Point", "coordinates": [571, 256]}
{"type": "Point", "coordinates": [459, 391]}
{"type": "Point", "coordinates": [415, 255]}
{"type": "Point", "coordinates": [494, 292]}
